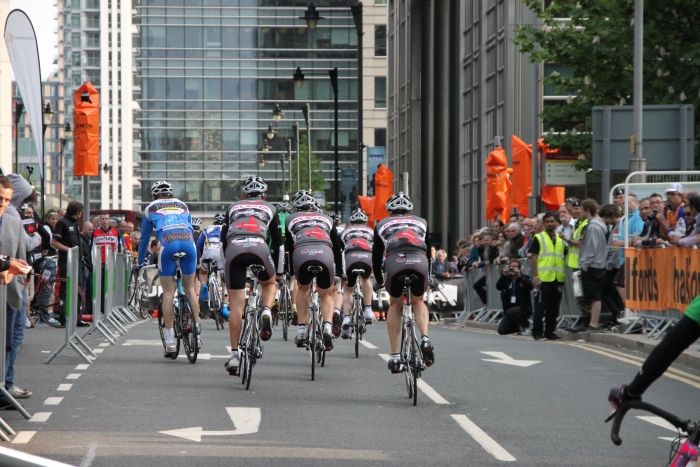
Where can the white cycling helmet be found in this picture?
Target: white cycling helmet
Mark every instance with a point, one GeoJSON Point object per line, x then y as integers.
{"type": "Point", "coordinates": [399, 203]}
{"type": "Point", "coordinates": [196, 222]}
{"type": "Point", "coordinates": [304, 201]}
{"type": "Point", "coordinates": [254, 185]}
{"type": "Point", "coordinates": [358, 217]}
{"type": "Point", "coordinates": [161, 187]}
{"type": "Point", "coordinates": [219, 219]}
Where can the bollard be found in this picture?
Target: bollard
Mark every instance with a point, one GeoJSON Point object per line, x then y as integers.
{"type": "Point", "coordinates": [71, 306]}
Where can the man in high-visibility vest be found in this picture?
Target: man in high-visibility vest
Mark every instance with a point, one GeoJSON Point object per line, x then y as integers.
{"type": "Point", "coordinates": [547, 251]}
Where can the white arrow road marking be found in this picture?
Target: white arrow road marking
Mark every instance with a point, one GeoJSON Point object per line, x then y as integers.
{"type": "Point", "coordinates": [368, 344]}
{"type": "Point", "coordinates": [500, 357]}
{"type": "Point", "coordinates": [658, 421]}
{"type": "Point", "coordinates": [486, 442]}
{"type": "Point", "coordinates": [206, 356]}
{"type": "Point", "coordinates": [246, 420]}
{"type": "Point", "coordinates": [432, 394]}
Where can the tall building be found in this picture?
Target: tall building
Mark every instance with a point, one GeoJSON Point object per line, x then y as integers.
{"type": "Point", "coordinates": [458, 87]}
{"type": "Point", "coordinates": [212, 71]}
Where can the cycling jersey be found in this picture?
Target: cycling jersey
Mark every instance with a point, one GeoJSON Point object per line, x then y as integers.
{"type": "Point", "coordinates": [210, 239]}
{"type": "Point", "coordinates": [171, 220]}
{"type": "Point", "coordinates": [104, 239]}
{"type": "Point", "coordinates": [357, 237]}
{"type": "Point", "coordinates": [693, 310]}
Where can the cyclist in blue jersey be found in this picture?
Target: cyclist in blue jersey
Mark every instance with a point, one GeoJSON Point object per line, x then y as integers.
{"type": "Point", "coordinates": [170, 218]}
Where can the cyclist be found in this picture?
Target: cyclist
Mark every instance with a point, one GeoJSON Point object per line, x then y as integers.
{"type": "Point", "coordinates": [209, 247]}
{"type": "Point", "coordinates": [679, 338]}
{"type": "Point", "coordinates": [249, 222]}
{"type": "Point", "coordinates": [357, 241]}
{"type": "Point", "coordinates": [196, 226]}
{"type": "Point", "coordinates": [400, 241]}
{"type": "Point", "coordinates": [170, 218]}
{"type": "Point", "coordinates": [312, 239]}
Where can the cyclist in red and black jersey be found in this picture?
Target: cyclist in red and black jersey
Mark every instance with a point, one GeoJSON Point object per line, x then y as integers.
{"type": "Point", "coordinates": [400, 241]}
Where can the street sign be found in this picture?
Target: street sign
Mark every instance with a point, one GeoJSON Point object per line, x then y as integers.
{"type": "Point", "coordinates": [562, 172]}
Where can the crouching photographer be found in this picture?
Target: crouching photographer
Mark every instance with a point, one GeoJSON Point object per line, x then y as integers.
{"type": "Point", "coordinates": [515, 288]}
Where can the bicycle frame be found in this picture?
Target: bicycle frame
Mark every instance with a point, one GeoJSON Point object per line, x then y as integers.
{"type": "Point", "coordinates": [358, 319]}
{"type": "Point", "coordinates": [411, 357]}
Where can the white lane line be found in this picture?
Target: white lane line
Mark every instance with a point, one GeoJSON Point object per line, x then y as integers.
{"type": "Point", "coordinates": [486, 442]}
{"type": "Point", "coordinates": [53, 400]}
{"type": "Point", "coordinates": [82, 366]}
{"type": "Point", "coordinates": [23, 437]}
{"type": "Point", "coordinates": [423, 386]}
{"type": "Point", "coordinates": [73, 376]}
{"type": "Point", "coordinates": [99, 350]}
{"type": "Point", "coordinates": [64, 387]}
{"type": "Point", "coordinates": [368, 344]}
{"type": "Point", "coordinates": [40, 417]}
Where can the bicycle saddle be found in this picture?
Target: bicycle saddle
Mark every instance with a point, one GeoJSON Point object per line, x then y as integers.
{"type": "Point", "coordinates": [314, 269]}
{"type": "Point", "coordinates": [256, 269]}
{"type": "Point", "coordinates": [179, 255]}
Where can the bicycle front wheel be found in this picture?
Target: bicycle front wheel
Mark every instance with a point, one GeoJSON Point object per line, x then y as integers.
{"type": "Point", "coordinates": [416, 363]}
{"type": "Point", "coordinates": [142, 302]}
{"type": "Point", "coordinates": [251, 349]}
{"type": "Point", "coordinates": [358, 325]}
{"type": "Point", "coordinates": [406, 360]}
{"type": "Point", "coordinates": [284, 310]}
{"type": "Point", "coordinates": [313, 337]}
{"type": "Point", "coordinates": [188, 330]}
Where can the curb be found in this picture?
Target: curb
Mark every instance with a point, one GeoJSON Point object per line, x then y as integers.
{"type": "Point", "coordinates": [687, 358]}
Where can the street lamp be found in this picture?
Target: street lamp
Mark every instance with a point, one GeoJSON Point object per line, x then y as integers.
{"type": "Point", "coordinates": [295, 130]}
{"type": "Point", "coordinates": [277, 114]}
{"type": "Point", "coordinates": [298, 78]}
{"type": "Point", "coordinates": [356, 9]}
{"type": "Point", "coordinates": [47, 116]}
{"type": "Point", "coordinates": [306, 110]}
{"type": "Point", "coordinates": [67, 134]}
{"type": "Point", "coordinates": [19, 107]}
{"type": "Point", "coordinates": [270, 133]}
{"type": "Point", "coordinates": [311, 16]}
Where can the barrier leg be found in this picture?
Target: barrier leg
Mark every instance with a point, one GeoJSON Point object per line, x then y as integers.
{"type": "Point", "coordinates": [16, 404]}
{"type": "Point", "coordinates": [632, 325]}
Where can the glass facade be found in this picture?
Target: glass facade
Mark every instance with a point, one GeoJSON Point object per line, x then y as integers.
{"type": "Point", "coordinates": [211, 73]}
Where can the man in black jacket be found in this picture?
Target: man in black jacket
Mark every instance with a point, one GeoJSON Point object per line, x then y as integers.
{"type": "Point", "coordinates": [67, 236]}
{"type": "Point", "coordinates": [515, 290]}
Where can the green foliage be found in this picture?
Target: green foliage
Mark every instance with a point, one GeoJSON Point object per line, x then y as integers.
{"type": "Point", "coordinates": [596, 44]}
{"type": "Point", "coordinates": [318, 181]}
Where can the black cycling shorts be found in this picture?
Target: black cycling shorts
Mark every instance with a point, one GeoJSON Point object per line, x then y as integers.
{"type": "Point", "coordinates": [357, 259]}
{"type": "Point", "coordinates": [318, 254]}
{"type": "Point", "coordinates": [399, 264]}
{"type": "Point", "coordinates": [242, 252]}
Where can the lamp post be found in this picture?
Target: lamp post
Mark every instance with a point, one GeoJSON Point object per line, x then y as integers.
{"type": "Point", "coordinates": [47, 115]}
{"type": "Point", "coordinates": [306, 110]}
{"type": "Point", "coordinates": [295, 129]}
{"type": "Point", "coordinates": [67, 133]}
{"type": "Point", "coordinates": [277, 114]}
{"type": "Point", "coordinates": [19, 107]}
{"type": "Point", "coordinates": [284, 175]}
{"type": "Point", "coordinates": [356, 9]}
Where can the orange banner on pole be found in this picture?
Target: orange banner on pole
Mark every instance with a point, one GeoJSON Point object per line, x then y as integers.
{"type": "Point", "coordinates": [522, 175]}
{"type": "Point", "coordinates": [367, 205]}
{"type": "Point", "coordinates": [552, 196]}
{"type": "Point", "coordinates": [86, 131]}
{"type": "Point", "coordinates": [659, 279]}
{"type": "Point", "coordinates": [497, 185]}
{"type": "Point", "coordinates": [383, 189]}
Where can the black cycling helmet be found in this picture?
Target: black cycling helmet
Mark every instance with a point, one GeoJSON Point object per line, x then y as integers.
{"type": "Point", "coordinates": [358, 217]}
{"type": "Point", "coordinates": [219, 219]}
{"type": "Point", "coordinates": [254, 185]}
{"type": "Point", "coordinates": [399, 203]}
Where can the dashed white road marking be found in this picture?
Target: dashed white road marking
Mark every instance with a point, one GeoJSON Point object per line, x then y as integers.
{"type": "Point", "coordinates": [53, 400]}
{"type": "Point", "coordinates": [74, 376]}
{"type": "Point", "coordinates": [423, 386]}
{"type": "Point", "coordinates": [23, 437]}
{"type": "Point", "coordinates": [104, 344]}
{"type": "Point", "coordinates": [99, 350]}
{"type": "Point", "coordinates": [368, 344]}
{"type": "Point", "coordinates": [486, 442]}
{"type": "Point", "coordinates": [64, 387]}
{"type": "Point", "coordinates": [40, 417]}
{"type": "Point", "coordinates": [82, 366]}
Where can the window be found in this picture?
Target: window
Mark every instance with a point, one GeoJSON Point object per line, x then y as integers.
{"type": "Point", "coordinates": [380, 92]}
{"type": "Point", "coordinates": [380, 2]}
{"type": "Point", "coordinates": [380, 136]}
{"type": "Point", "coordinates": [380, 40]}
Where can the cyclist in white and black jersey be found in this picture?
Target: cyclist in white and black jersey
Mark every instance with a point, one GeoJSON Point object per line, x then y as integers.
{"type": "Point", "coordinates": [400, 242]}
{"type": "Point", "coordinates": [357, 239]}
{"type": "Point", "coordinates": [248, 225]}
{"type": "Point", "coordinates": [209, 246]}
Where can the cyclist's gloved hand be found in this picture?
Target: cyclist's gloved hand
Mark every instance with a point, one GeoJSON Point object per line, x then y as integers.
{"type": "Point", "coordinates": [621, 394]}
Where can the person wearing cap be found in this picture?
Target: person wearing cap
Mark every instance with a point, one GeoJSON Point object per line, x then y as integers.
{"type": "Point", "coordinates": [672, 223]}
{"type": "Point", "coordinates": [619, 197]}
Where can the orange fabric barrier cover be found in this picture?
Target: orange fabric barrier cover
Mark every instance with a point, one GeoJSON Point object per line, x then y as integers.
{"type": "Point", "coordinates": [552, 196]}
{"type": "Point", "coordinates": [383, 189]}
{"type": "Point", "coordinates": [86, 131]}
{"type": "Point", "coordinates": [661, 278]}
{"type": "Point", "coordinates": [498, 185]}
{"type": "Point", "coordinates": [522, 175]}
{"type": "Point", "coordinates": [367, 205]}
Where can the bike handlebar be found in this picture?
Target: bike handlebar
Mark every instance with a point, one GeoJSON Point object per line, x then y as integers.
{"type": "Point", "coordinates": [684, 425]}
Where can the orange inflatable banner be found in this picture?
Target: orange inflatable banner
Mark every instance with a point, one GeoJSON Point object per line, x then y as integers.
{"type": "Point", "coordinates": [522, 175]}
{"type": "Point", "coordinates": [367, 205]}
{"type": "Point", "coordinates": [498, 185]}
{"type": "Point", "coordinates": [383, 189]}
{"type": "Point", "coordinates": [659, 279]}
{"type": "Point", "coordinates": [86, 131]}
{"type": "Point", "coordinates": [552, 196]}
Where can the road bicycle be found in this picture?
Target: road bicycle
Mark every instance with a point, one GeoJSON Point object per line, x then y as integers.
{"type": "Point", "coordinates": [141, 283]}
{"type": "Point", "coordinates": [184, 323]}
{"type": "Point", "coordinates": [249, 343]}
{"type": "Point", "coordinates": [314, 331]}
{"type": "Point", "coordinates": [684, 449]}
{"type": "Point", "coordinates": [284, 306]}
{"type": "Point", "coordinates": [411, 357]}
{"type": "Point", "coordinates": [52, 303]}
{"type": "Point", "coordinates": [357, 317]}
{"type": "Point", "coordinates": [216, 296]}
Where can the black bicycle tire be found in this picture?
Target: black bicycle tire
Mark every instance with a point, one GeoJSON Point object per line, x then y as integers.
{"type": "Point", "coordinates": [161, 327]}
{"type": "Point", "coordinates": [188, 327]}
{"type": "Point", "coordinates": [142, 301]}
{"type": "Point", "coordinates": [357, 316]}
{"type": "Point", "coordinates": [251, 350]}
{"type": "Point", "coordinates": [283, 310]}
{"type": "Point", "coordinates": [218, 318]}
{"type": "Point", "coordinates": [177, 330]}
{"type": "Point", "coordinates": [406, 361]}
{"type": "Point", "coordinates": [415, 366]}
{"type": "Point", "coordinates": [243, 352]}
{"type": "Point", "coordinates": [313, 336]}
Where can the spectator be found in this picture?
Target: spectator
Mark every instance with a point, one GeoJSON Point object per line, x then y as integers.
{"type": "Point", "coordinates": [86, 251]}
{"type": "Point", "coordinates": [566, 222]}
{"type": "Point", "coordinates": [651, 232]}
{"type": "Point", "coordinates": [441, 269]}
{"type": "Point", "coordinates": [515, 244]}
{"type": "Point", "coordinates": [106, 237]}
{"type": "Point", "coordinates": [154, 252]}
{"type": "Point", "coordinates": [592, 263]}
{"type": "Point", "coordinates": [61, 213]}
{"type": "Point", "coordinates": [488, 254]}
{"type": "Point", "coordinates": [611, 300]}
{"type": "Point", "coordinates": [693, 238]}
{"type": "Point", "coordinates": [67, 236]}
{"type": "Point", "coordinates": [125, 235]}
{"type": "Point", "coordinates": [474, 255]}
{"type": "Point", "coordinates": [547, 251]}
{"type": "Point", "coordinates": [515, 290]}
{"type": "Point", "coordinates": [672, 218]}
{"type": "Point", "coordinates": [619, 198]}
{"type": "Point", "coordinates": [48, 267]}
{"type": "Point", "coordinates": [12, 245]}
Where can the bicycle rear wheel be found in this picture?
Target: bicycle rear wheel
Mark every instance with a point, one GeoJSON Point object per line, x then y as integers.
{"type": "Point", "coordinates": [284, 310]}
{"type": "Point", "coordinates": [216, 302]}
{"type": "Point", "coordinates": [415, 363]}
{"type": "Point", "coordinates": [177, 329]}
{"type": "Point", "coordinates": [357, 318]}
{"type": "Point", "coordinates": [251, 349]}
{"type": "Point", "coordinates": [313, 337]}
{"type": "Point", "coordinates": [142, 302]}
{"type": "Point", "coordinates": [406, 360]}
{"type": "Point", "coordinates": [188, 329]}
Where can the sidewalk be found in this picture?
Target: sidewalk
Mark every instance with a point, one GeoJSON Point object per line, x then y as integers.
{"type": "Point", "coordinates": [635, 342]}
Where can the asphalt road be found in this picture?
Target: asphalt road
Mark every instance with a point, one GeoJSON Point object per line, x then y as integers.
{"type": "Point", "coordinates": [545, 406]}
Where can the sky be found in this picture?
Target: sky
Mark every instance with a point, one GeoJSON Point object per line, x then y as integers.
{"type": "Point", "coordinates": [42, 13]}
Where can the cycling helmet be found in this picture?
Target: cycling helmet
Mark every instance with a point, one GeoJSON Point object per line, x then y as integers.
{"type": "Point", "coordinates": [284, 207]}
{"type": "Point", "coordinates": [305, 202]}
{"type": "Point", "coordinates": [297, 194]}
{"type": "Point", "coordinates": [399, 203]}
{"type": "Point", "coordinates": [161, 187]}
{"type": "Point", "coordinates": [254, 185]}
{"type": "Point", "coordinates": [358, 217]}
{"type": "Point", "coordinates": [219, 219]}
{"type": "Point", "coordinates": [196, 222]}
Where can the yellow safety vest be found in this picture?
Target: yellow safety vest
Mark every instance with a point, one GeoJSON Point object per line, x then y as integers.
{"type": "Point", "coordinates": [550, 260]}
{"type": "Point", "coordinates": [572, 259]}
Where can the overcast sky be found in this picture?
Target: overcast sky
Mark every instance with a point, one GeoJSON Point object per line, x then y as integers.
{"type": "Point", "coordinates": [42, 13]}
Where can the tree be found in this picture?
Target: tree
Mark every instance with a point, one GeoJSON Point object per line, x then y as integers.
{"type": "Point", "coordinates": [595, 45]}
{"type": "Point", "coordinates": [318, 181]}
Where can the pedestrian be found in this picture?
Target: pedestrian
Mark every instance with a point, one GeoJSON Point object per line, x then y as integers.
{"type": "Point", "coordinates": [547, 251]}
{"type": "Point", "coordinates": [516, 289]}
{"type": "Point", "coordinates": [106, 237]}
{"type": "Point", "coordinates": [86, 252]}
